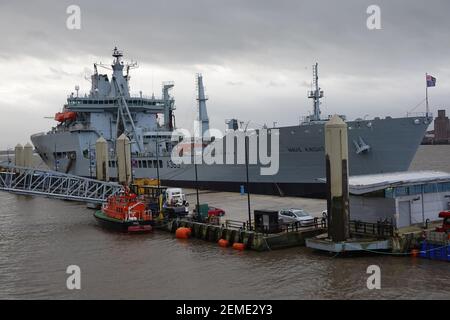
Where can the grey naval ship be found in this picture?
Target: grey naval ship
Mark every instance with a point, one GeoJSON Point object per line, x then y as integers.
{"type": "Point", "coordinates": [375, 145]}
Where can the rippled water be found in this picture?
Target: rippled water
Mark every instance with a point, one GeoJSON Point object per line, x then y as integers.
{"type": "Point", "coordinates": [40, 237]}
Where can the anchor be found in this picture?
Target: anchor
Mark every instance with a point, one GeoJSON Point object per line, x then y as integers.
{"type": "Point", "coordinates": [361, 146]}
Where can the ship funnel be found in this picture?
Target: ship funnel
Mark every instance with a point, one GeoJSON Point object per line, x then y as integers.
{"type": "Point", "coordinates": [202, 112]}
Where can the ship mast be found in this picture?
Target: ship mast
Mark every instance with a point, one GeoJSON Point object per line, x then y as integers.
{"type": "Point", "coordinates": [315, 94]}
{"type": "Point", "coordinates": [121, 90]}
{"type": "Point", "coordinates": [202, 112]}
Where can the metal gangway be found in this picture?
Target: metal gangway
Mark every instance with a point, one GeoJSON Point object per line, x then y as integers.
{"type": "Point", "coordinates": [53, 184]}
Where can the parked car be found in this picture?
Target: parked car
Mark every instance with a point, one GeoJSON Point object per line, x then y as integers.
{"type": "Point", "coordinates": [213, 211]}
{"type": "Point", "coordinates": [287, 216]}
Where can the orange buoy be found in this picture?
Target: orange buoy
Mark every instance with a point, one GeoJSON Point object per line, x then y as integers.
{"type": "Point", "coordinates": [238, 246]}
{"type": "Point", "coordinates": [223, 243]}
{"type": "Point", "coordinates": [414, 253]}
{"type": "Point", "coordinates": [183, 233]}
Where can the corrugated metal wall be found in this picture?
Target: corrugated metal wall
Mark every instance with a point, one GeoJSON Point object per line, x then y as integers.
{"type": "Point", "coordinates": [371, 209]}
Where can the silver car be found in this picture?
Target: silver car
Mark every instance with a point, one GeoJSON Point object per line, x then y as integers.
{"type": "Point", "coordinates": [288, 216]}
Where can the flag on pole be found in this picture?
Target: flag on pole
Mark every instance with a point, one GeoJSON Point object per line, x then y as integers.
{"type": "Point", "coordinates": [431, 81]}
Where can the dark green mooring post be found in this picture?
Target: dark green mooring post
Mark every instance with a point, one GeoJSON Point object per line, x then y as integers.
{"type": "Point", "coordinates": [336, 157]}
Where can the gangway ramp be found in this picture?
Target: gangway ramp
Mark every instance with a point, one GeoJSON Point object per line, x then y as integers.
{"type": "Point", "coordinates": [53, 184]}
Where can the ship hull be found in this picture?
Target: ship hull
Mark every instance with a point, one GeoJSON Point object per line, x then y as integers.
{"type": "Point", "coordinates": [296, 189]}
{"type": "Point", "coordinates": [390, 143]}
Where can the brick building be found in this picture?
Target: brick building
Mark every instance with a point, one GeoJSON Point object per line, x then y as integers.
{"type": "Point", "coordinates": [441, 128]}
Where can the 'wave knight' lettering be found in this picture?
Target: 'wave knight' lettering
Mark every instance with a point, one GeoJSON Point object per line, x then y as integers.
{"type": "Point", "coordinates": [260, 147]}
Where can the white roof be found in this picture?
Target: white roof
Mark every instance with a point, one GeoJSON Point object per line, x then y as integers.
{"type": "Point", "coordinates": [373, 182]}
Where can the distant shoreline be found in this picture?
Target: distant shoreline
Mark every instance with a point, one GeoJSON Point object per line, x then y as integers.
{"type": "Point", "coordinates": [434, 144]}
{"type": "Point", "coordinates": [11, 152]}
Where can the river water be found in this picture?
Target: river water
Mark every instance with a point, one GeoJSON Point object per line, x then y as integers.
{"type": "Point", "coordinates": [40, 238]}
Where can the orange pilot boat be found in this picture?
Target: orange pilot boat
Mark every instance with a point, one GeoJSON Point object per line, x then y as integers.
{"type": "Point", "coordinates": [126, 213]}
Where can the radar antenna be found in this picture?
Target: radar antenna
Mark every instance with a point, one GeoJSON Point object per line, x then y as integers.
{"type": "Point", "coordinates": [316, 94]}
{"type": "Point", "coordinates": [117, 54]}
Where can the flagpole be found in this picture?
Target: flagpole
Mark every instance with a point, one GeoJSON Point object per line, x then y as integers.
{"type": "Point", "coordinates": [426, 94]}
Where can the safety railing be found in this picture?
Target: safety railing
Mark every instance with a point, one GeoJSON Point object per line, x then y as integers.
{"type": "Point", "coordinates": [379, 229]}
{"type": "Point", "coordinates": [293, 227]}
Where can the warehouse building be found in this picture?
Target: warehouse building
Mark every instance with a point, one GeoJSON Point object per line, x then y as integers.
{"type": "Point", "coordinates": [405, 198]}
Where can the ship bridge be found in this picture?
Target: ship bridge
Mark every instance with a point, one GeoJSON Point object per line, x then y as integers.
{"type": "Point", "coordinates": [112, 98]}
{"type": "Point", "coordinates": [87, 104]}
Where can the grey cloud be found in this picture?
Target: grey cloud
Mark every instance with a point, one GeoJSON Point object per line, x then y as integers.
{"type": "Point", "coordinates": [282, 34]}
{"type": "Point", "coordinates": [275, 84]}
{"type": "Point", "coordinates": [235, 83]}
{"type": "Point", "coordinates": [361, 70]}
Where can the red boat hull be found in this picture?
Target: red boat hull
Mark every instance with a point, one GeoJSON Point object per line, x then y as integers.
{"type": "Point", "coordinates": [140, 228]}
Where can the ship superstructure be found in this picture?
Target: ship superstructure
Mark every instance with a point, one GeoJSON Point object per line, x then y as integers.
{"type": "Point", "coordinates": [108, 111]}
{"type": "Point", "coordinates": [376, 145]}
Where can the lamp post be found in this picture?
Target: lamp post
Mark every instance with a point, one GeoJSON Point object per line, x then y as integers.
{"type": "Point", "coordinates": [90, 158]}
{"type": "Point", "coordinates": [56, 160]}
{"type": "Point", "coordinates": [7, 155]}
{"type": "Point", "coordinates": [196, 188]}
{"type": "Point", "coordinates": [157, 160]}
{"type": "Point", "coordinates": [248, 184]}
{"type": "Point", "coordinates": [247, 177]}
{"type": "Point", "coordinates": [194, 147]}
{"type": "Point", "coordinates": [423, 204]}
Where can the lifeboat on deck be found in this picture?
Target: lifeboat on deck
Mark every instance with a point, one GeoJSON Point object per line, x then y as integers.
{"type": "Point", "coordinates": [65, 116]}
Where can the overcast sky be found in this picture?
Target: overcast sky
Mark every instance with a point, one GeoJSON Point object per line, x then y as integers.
{"type": "Point", "coordinates": [255, 57]}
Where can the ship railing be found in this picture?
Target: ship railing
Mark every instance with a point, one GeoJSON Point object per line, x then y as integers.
{"type": "Point", "coordinates": [80, 126]}
{"type": "Point", "coordinates": [276, 228]}
{"type": "Point", "coordinates": [305, 120]}
{"type": "Point", "coordinates": [237, 225]}
{"type": "Point", "coordinates": [318, 223]}
{"type": "Point", "coordinates": [132, 100]}
{"type": "Point", "coordinates": [144, 96]}
{"type": "Point", "coordinates": [138, 214]}
{"type": "Point", "coordinates": [112, 155]}
{"type": "Point", "coordinates": [418, 114]}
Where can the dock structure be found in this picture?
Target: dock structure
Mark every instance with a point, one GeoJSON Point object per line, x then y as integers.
{"type": "Point", "coordinates": [239, 232]}
{"type": "Point", "coordinates": [343, 234]}
{"type": "Point", "coordinates": [53, 184]}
